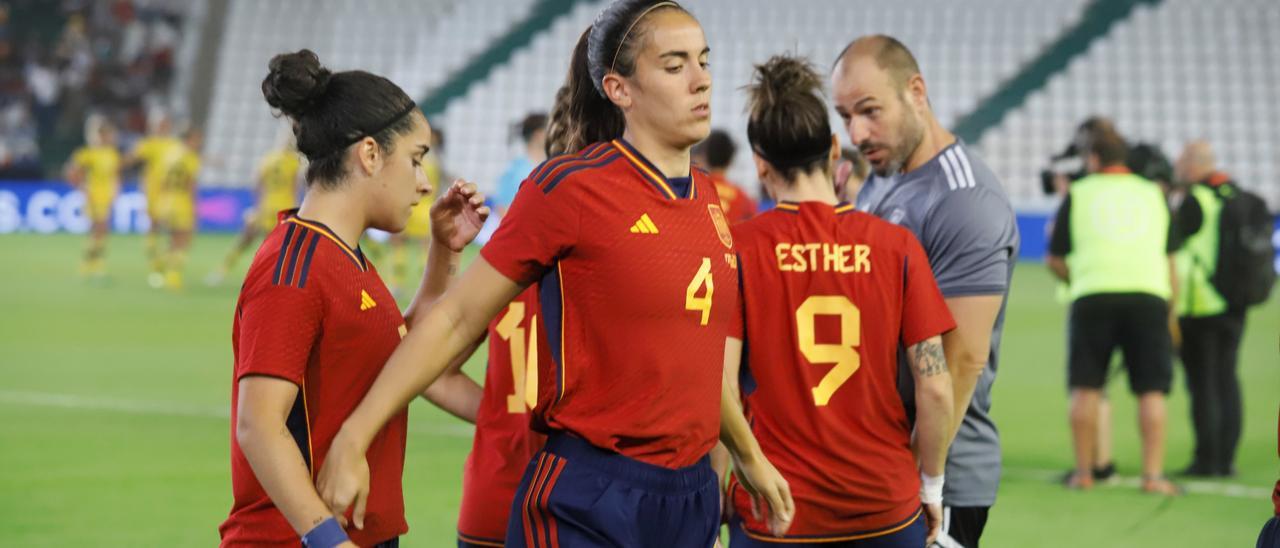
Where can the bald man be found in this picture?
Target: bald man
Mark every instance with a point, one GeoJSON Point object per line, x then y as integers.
{"type": "Point", "coordinates": [1211, 327]}
{"type": "Point", "coordinates": [926, 180]}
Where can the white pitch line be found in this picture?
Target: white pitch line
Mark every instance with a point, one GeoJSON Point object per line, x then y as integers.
{"type": "Point", "coordinates": [171, 409]}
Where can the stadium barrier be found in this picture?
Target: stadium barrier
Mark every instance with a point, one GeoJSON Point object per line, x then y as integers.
{"type": "Point", "coordinates": [49, 207]}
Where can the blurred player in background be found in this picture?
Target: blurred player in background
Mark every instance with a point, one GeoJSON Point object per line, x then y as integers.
{"type": "Point", "coordinates": [157, 152]}
{"type": "Point", "coordinates": [95, 170]}
{"type": "Point", "coordinates": [533, 133]}
{"type": "Point", "coordinates": [629, 245]}
{"type": "Point", "coordinates": [929, 182]}
{"type": "Point", "coordinates": [822, 382]}
{"type": "Point", "coordinates": [314, 323]}
{"type": "Point", "coordinates": [715, 154]}
{"type": "Point", "coordinates": [279, 178]}
{"type": "Point", "coordinates": [178, 206]}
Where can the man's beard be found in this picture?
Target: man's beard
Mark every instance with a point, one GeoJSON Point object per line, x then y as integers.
{"type": "Point", "coordinates": [912, 132]}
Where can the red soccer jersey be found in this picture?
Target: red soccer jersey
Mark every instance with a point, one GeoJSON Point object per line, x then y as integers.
{"type": "Point", "coordinates": [738, 205]}
{"type": "Point", "coordinates": [1275, 495]}
{"type": "Point", "coordinates": [314, 312]}
{"type": "Point", "coordinates": [829, 295]}
{"type": "Point", "coordinates": [503, 444]}
{"type": "Point", "coordinates": [638, 293]}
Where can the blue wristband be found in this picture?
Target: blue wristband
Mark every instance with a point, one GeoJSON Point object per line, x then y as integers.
{"type": "Point", "coordinates": [326, 535]}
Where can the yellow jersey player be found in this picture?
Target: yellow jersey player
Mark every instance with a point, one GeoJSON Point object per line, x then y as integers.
{"type": "Point", "coordinates": [157, 152]}
{"type": "Point", "coordinates": [277, 190]}
{"type": "Point", "coordinates": [95, 170]}
{"type": "Point", "coordinates": [178, 201]}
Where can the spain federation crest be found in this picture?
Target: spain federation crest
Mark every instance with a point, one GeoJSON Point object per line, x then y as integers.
{"type": "Point", "coordinates": [722, 225]}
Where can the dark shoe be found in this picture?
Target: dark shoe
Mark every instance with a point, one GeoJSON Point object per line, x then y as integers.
{"type": "Point", "coordinates": [1104, 473]}
{"type": "Point", "coordinates": [1228, 472]}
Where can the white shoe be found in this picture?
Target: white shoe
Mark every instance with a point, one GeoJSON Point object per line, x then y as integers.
{"type": "Point", "coordinates": [155, 280]}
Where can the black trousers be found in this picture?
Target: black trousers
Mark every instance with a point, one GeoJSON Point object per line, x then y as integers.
{"type": "Point", "coordinates": [1210, 351]}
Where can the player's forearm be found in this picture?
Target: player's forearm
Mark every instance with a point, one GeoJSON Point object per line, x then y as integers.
{"type": "Point", "coordinates": [1058, 266]}
{"type": "Point", "coordinates": [273, 455]}
{"type": "Point", "coordinates": [935, 406]}
{"type": "Point", "coordinates": [735, 432]}
{"type": "Point", "coordinates": [442, 264]}
{"type": "Point", "coordinates": [433, 343]}
{"type": "Point", "coordinates": [965, 364]}
{"type": "Point", "coordinates": [457, 394]}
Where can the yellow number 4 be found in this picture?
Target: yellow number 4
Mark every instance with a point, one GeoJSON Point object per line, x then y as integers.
{"type": "Point", "coordinates": [843, 354]}
{"type": "Point", "coordinates": [524, 372]}
{"type": "Point", "coordinates": [691, 299]}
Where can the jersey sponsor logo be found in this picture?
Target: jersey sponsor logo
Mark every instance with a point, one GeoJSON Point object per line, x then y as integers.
{"type": "Point", "coordinates": [644, 226]}
{"type": "Point", "coordinates": [366, 302]}
{"type": "Point", "coordinates": [896, 215]}
{"type": "Point", "coordinates": [722, 225]}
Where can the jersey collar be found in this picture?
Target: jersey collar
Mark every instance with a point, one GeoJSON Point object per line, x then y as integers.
{"type": "Point", "coordinates": [840, 208]}
{"type": "Point", "coordinates": [356, 255]}
{"type": "Point", "coordinates": [651, 173]}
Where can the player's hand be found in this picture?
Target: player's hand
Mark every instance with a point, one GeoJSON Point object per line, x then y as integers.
{"type": "Point", "coordinates": [457, 216]}
{"type": "Point", "coordinates": [1175, 331]}
{"type": "Point", "coordinates": [766, 485]}
{"type": "Point", "coordinates": [933, 520]}
{"type": "Point", "coordinates": [344, 480]}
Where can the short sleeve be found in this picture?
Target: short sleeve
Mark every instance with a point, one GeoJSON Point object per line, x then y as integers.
{"type": "Point", "coordinates": [1060, 239]}
{"type": "Point", "coordinates": [80, 158]}
{"type": "Point", "coordinates": [539, 229]}
{"type": "Point", "coordinates": [924, 312]}
{"type": "Point", "coordinates": [970, 238]}
{"type": "Point", "coordinates": [279, 325]}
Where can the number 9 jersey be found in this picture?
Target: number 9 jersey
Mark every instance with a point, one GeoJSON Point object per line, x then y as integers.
{"type": "Point", "coordinates": [830, 295]}
{"type": "Point", "coordinates": [638, 292]}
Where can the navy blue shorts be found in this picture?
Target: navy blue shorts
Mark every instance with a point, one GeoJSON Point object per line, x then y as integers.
{"type": "Point", "coordinates": [911, 536]}
{"type": "Point", "coordinates": [1270, 535]}
{"type": "Point", "coordinates": [576, 495]}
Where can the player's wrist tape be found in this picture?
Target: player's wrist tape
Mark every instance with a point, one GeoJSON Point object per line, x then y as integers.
{"type": "Point", "coordinates": [326, 535]}
{"type": "Point", "coordinates": [931, 488]}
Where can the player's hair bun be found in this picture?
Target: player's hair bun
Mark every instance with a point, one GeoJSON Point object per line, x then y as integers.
{"type": "Point", "coordinates": [296, 83]}
{"type": "Point", "coordinates": [784, 79]}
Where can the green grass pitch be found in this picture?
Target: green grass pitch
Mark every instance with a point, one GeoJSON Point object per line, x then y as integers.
{"type": "Point", "coordinates": [114, 430]}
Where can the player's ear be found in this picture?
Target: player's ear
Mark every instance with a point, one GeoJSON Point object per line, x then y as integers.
{"type": "Point", "coordinates": [615, 87]}
{"type": "Point", "coordinates": [368, 155]}
{"type": "Point", "coordinates": [834, 156]}
{"type": "Point", "coordinates": [762, 167]}
{"type": "Point", "coordinates": [918, 91]}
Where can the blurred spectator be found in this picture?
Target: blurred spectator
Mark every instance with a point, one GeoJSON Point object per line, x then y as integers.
{"type": "Point", "coordinates": [533, 132]}
{"type": "Point", "coordinates": [79, 57]}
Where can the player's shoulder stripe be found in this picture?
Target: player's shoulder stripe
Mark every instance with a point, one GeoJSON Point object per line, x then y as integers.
{"type": "Point", "coordinates": [284, 250]}
{"type": "Point", "coordinates": [599, 158]}
{"type": "Point", "coordinates": [963, 157]}
{"type": "Point", "coordinates": [954, 164]}
{"type": "Point", "coordinates": [549, 166]}
{"type": "Point", "coordinates": [306, 261]}
{"type": "Point", "coordinates": [355, 255]}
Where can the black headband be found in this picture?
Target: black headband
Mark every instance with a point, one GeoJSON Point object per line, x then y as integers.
{"type": "Point", "coordinates": [343, 143]}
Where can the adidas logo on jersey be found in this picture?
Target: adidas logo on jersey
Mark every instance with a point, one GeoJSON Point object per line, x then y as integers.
{"type": "Point", "coordinates": [366, 302]}
{"type": "Point", "coordinates": [644, 226]}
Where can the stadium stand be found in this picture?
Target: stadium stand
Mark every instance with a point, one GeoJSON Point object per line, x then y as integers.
{"type": "Point", "coordinates": [1173, 72]}
{"type": "Point", "coordinates": [407, 40]}
{"type": "Point", "coordinates": [965, 50]}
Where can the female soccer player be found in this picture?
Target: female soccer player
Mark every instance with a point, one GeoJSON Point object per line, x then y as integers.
{"type": "Point", "coordinates": [314, 323]}
{"type": "Point", "coordinates": [179, 195]}
{"type": "Point", "coordinates": [95, 170]}
{"type": "Point", "coordinates": [637, 289]}
{"type": "Point", "coordinates": [829, 294]}
{"type": "Point", "coordinates": [157, 152]}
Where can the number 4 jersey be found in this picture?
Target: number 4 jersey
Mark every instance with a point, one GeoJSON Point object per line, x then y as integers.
{"type": "Point", "coordinates": [638, 291]}
{"type": "Point", "coordinates": [830, 294]}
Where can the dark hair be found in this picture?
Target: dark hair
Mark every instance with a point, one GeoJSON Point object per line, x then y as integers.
{"type": "Point", "coordinates": [610, 44]}
{"type": "Point", "coordinates": [718, 148]}
{"type": "Point", "coordinates": [1100, 138]}
{"type": "Point", "coordinates": [331, 111]}
{"type": "Point", "coordinates": [531, 124]}
{"type": "Point", "coordinates": [787, 121]}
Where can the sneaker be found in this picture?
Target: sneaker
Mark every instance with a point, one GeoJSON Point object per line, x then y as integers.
{"type": "Point", "coordinates": [1105, 474]}
{"type": "Point", "coordinates": [155, 280]}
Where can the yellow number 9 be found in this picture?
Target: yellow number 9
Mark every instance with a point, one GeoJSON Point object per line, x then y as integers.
{"type": "Point", "coordinates": [843, 354]}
